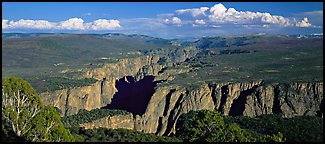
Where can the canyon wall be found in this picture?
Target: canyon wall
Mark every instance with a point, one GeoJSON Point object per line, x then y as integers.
{"type": "Point", "coordinates": [248, 99]}
{"type": "Point", "coordinates": [99, 94]}
{"type": "Point", "coordinates": [113, 122]}
{"type": "Point", "coordinates": [169, 102]}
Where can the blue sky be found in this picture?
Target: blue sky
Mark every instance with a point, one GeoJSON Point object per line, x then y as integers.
{"type": "Point", "coordinates": [164, 19]}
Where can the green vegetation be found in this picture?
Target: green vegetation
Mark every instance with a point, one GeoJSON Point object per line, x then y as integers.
{"type": "Point", "coordinates": [47, 55]}
{"type": "Point", "coordinates": [48, 127]}
{"type": "Point", "coordinates": [25, 118]}
{"type": "Point", "coordinates": [43, 84]}
{"type": "Point", "coordinates": [287, 63]}
{"type": "Point", "coordinates": [84, 116]}
{"type": "Point", "coordinates": [209, 126]}
{"type": "Point", "coordinates": [57, 83]}
{"type": "Point", "coordinates": [296, 129]}
{"type": "Point", "coordinates": [73, 74]}
{"type": "Point", "coordinates": [245, 40]}
{"type": "Point", "coordinates": [118, 135]}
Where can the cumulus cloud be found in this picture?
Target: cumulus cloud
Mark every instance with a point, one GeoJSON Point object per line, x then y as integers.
{"type": "Point", "coordinates": [218, 10]}
{"type": "Point", "coordinates": [103, 24]}
{"type": "Point", "coordinates": [32, 24]}
{"type": "Point", "coordinates": [70, 24]}
{"type": "Point", "coordinates": [314, 17]}
{"type": "Point", "coordinates": [174, 20]}
{"type": "Point", "coordinates": [219, 14]}
{"type": "Point", "coordinates": [303, 23]}
{"type": "Point", "coordinates": [4, 24]}
{"type": "Point", "coordinates": [269, 19]}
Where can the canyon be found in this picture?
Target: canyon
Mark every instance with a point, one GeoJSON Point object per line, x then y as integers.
{"type": "Point", "coordinates": [137, 85]}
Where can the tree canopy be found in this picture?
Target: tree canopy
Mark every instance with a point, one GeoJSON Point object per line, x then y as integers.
{"type": "Point", "coordinates": [24, 116]}
{"type": "Point", "coordinates": [209, 126]}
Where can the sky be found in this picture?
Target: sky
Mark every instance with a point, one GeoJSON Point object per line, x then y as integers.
{"type": "Point", "coordinates": [164, 19]}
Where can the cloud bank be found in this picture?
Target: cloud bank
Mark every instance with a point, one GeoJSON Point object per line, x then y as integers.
{"type": "Point", "coordinates": [219, 14]}
{"type": "Point", "coordinates": [201, 21]}
{"type": "Point", "coordinates": [70, 24]}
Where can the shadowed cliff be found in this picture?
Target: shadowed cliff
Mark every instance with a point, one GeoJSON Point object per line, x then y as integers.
{"type": "Point", "coordinates": [133, 96]}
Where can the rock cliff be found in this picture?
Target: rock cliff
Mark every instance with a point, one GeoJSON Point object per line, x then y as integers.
{"type": "Point", "coordinates": [99, 94]}
{"type": "Point", "coordinates": [248, 99]}
{"type": "Point", "coordinates": [168, 102]}
{"type": "Point", "coordinates": [113, 122]}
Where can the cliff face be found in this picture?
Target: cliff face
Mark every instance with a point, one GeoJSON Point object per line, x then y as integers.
{"type": "Point", "coordinates": [168, 103]}
{"type": "Point", "coordinates": [71, 100]}
{"type": "Point", "coordinates": [126, 67]}
{"type": "Point", "coordinates": [98, 95]}
{"type": "Point", "coordinates": [113, 122]}
{"type": "Point", "coordinates": [248, 99]}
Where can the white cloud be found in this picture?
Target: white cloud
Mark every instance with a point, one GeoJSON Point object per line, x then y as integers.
{"type": "Point", "coordinates": [303, 23]}
{"type": "Point", "coordinates": [194, 12]}
{"type": "Point", "coordinates": [219, 14]}
{"type": "Point", "coordinates": [201, 22]}
{"type": "Point", "coordinates": [31, 24]}
{"type": "Point", "coordinates": [4, 24]}
{"type": "Point", "coordinates": [314, 17]}
{"type": "Point", "coordinates": [269, 19]}
{"type": "Point", "coordinates": [72, 24]}
{"type": "Point", "coordinates": [103, 24]}
{"type": "Point", "coordinates": [218, 10]}
{"type": "Point", "coordinates": [174, 20]}
{"type": "Point", "coordinates": [232, 11]}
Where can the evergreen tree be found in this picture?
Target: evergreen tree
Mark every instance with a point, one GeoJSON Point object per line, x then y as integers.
{"type": "Point", "coordinates": [20, 104]}
{"type": "Point", "coordinates": [24, 116]}
{"type": "Point", "coordinates": [209, 126]}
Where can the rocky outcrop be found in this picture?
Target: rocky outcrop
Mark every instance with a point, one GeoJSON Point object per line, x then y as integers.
{"type": "Point", "coordinates": [100, 94]}
{"type": "Point", "coordinates": [168, 103]}
{"type": "Point", "coordinates": [71, 100]}
{"type": "Point", "coordinates": [248, 99]}
{"type": "Point", "coordinates": [113, 122]}
{"type": "Point", "coordinates": [126, 67]}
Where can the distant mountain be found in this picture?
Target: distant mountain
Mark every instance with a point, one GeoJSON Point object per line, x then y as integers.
{"type": "Point", "coordinates": [24, 35]}
{"type": "Point", "coordinates": [135, 37]}
{"type": "Point", "coordinates": [251, 40]}
{"type": "Point", "coordinates": [116, 36]}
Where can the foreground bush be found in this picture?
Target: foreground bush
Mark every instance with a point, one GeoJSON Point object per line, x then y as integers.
{"type": "Point", "coordinates": [209, 126]}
